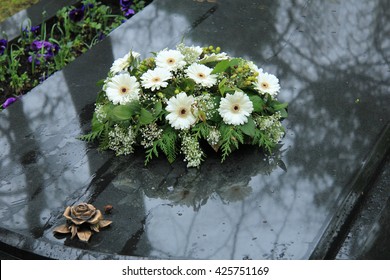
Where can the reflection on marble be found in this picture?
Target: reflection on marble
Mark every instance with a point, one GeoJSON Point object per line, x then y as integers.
{"type": "Point", "coordinates": [36, 177]}
{"type": "Point", "coordinates": [333, 69]}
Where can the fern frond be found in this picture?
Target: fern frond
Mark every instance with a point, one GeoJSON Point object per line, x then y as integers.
{"type": "Point", "coordinates": [90, 136]}
{"type": "Point", "coordinates": [201, 130]}
{"type": "Point", "coordinates": [167, 144]}
{"type": "Point", "coordinates": [231, 137]}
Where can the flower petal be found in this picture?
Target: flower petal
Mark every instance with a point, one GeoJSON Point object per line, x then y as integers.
{"type": "Point", "coordinates": [84, 235]}
{"type": "Point", "coordinates": [74, 231]}
{"type": "Point", "coordinates": [104, 223]}
{"type": "Point", "coordinates": [62, 229]}
{"type": "Point", "coordinates": [98, 216]}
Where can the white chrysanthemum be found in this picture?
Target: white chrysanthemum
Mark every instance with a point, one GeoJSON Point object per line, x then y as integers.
{"type": "Point", "coordinates": [156, 79]}
{"type": "Point", "coordinates": [171, 60]}
{"type": "Point", "coordinates": [123, 62]}
{"type": "Point", "coordinates": [122, 89]}
{"type": "Point", "coordinates": [235, 108]}
{"type": "Point", "coordinates": [267, 83]}
{"type": "Point", "coordinates": [201, 74]}
{"type": "Point", "coordinates": [180, 111]}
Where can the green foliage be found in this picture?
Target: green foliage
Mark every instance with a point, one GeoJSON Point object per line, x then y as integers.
{"type": "Point", "coordinates": [224, 65]}
{"type": "Point", "coordinates": [230, 139]}
{"type": "Point", "coordinates": [249, 128]}
{"type": "Point", "coordinates": [145, 117]}
{"type": "Point", "coordinates": [167, 144]}
{"type": "Point", "coordinates": [257, 102]}
{"type": "Point", "coordinates": [201, 130]}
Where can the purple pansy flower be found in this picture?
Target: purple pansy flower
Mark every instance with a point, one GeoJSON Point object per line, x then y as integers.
{"type": "Point", "coordinates": [42, 48]}
{"type": "Point", "coordinates": [128, 12]}
{"type": "Point", "coordinates": [37, 45]}
{"type": "Point", "coordinates": [36, 58]}
{"type": "Point", "coordinates": [77, 14]}
{"type": "Point", "coordinates": [9, 101]}
{"type": "Point", "coordinates": [33, 30]}
{"type": "Point", "coordinates": [3, 46]}
{"type": "Point", "coordinates": [125, 3]}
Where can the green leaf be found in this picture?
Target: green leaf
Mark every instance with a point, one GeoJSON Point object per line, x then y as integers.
{"type": "Point", "coordinates": [146, 117]}
{"type": "Point", "coordinates": [225, 64]}
{"type": "Point", "coordinates": [221, 86]}
{"type": "Point", "coordinates": [280, 106]}
{"type": "Point", "coordinates": [283, 113]}
{"type": "Point", "coordinates": [96, 125]}
{"type": "Point", "coordinates": [121, 113]}
{"type": "Point", "coordinates": [125, 112]}
{"type": "Point", "coordinates": [258, 103]}
{"type": "Point", "coordinates": [249, 128]}
{"type": "Point", "coordinates": [157, 109]}
{"type": "Point", "coordinates": [221, 66]}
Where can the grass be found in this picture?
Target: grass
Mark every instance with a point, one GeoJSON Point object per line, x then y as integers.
{"type": "Point", "coordinates": [11, 7]}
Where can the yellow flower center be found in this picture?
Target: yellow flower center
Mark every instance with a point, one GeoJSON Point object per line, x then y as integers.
{"type": "Point", "coordinates": [236, 108]}
{"type": "Point", "coordinates": [201, 75]}
{"type": "Point", "coordinates": [123, 90]}
{"type": "Point", "coordinates": [156, 79]}
{"type": "Point", "coordinates": [182, 112]}
{"type": "Point", "coordinates": [264, 85]}
{"type": "Point", "coordinates": [171, 60]}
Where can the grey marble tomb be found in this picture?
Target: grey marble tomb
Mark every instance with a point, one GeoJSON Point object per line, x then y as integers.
{"type": "Point", "coordinates": [332, 60]}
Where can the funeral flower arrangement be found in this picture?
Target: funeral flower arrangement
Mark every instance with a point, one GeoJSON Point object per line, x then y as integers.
{"type": "Point", "coordinates": [179, 98]}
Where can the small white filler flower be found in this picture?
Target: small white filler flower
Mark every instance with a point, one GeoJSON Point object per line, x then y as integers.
{"type": "Point", "coordinates": [122, 89]}
{"type": "Point", "coordinates": [180, 111]}
{"type": "Point", "coordinates": [235, 108]}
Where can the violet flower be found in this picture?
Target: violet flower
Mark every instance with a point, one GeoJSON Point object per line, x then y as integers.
{"type": "Point", "coordinates": [34, 30]}
{"type": "Point", "coordinates": [3, 46]}
{"type": "Point", "coordinates": [128, 12]}
{"type": "Point", "coordinates": [37, 45]}
{"type": "Point", "coordinates": [36, 59]}
{"type": "Point", "coordinates": [77, 14]}
{"type": "Point", "coordinates": [126, 3]}
{"type": "Point", "coordinates": [9, 101]}
{"type": "Point", "coordinates": [42, 48]}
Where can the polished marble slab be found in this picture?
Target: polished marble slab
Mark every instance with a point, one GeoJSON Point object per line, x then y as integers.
{"type": "Point", "coordinates": [38, 12]}
{"type": "Point", "coordinates": [331, 58]}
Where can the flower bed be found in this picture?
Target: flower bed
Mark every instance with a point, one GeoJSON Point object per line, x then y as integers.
{"type": "Point", "coordinates": [41, 50]}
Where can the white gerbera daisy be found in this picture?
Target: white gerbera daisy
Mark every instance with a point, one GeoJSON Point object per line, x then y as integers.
{"type": "Point", "coordinates": [235, 108]}
{"type": "Point", "coordinates": [267, 83]}
{"type": "Point", "coordinates": [155, 79]}
{"type": "Point", "coordinates": [201, 74]}
{"type": "Point", "coordinates": [180, 111]}
{"type": "Point", "coordinates": [254, 67]}
{"type": "Point", "coordinates": [122, 89]}
{"type": "Point", "coordinates": [170, 59]}
{"type": "Point", "coordinates": [123, 62]}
